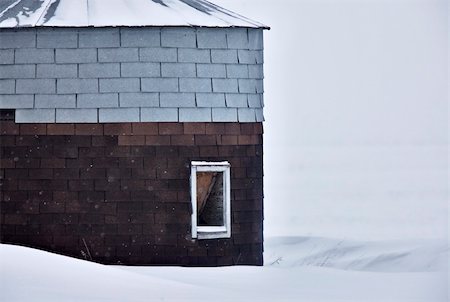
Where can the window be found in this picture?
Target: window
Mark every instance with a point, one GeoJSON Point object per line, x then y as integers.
{"type": "Point", "coordinates": [210, 197]}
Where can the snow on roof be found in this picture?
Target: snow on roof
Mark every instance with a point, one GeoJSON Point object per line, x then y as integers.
{"type": "Point", "coordinates": [103, 13]}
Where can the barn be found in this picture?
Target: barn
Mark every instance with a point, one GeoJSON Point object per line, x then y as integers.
{"type": "Point", "coordinates": [132, 131]}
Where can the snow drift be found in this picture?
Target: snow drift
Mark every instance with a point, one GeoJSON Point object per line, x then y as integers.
{"type": "Point", "coordinates": [376, 256]}
{"type": "Point", "coordinates": [32, 275]}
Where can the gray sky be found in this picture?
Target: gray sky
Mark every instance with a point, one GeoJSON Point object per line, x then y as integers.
{"type": "Point", "coordinates": [356, 115]}
{"type": "Point", "coordinates": [354, 72]}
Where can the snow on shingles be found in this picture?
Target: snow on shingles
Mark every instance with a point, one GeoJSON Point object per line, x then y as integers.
{"type": "Point", "coordinates": [24, 13]}
{"type": "Point", "coordinates": [102, 13]}
{"type": "Point", "coordinates": [67, 13]}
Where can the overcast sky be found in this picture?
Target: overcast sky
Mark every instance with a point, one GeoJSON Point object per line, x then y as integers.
{"type": "Point", "coordinates": [356, 115]}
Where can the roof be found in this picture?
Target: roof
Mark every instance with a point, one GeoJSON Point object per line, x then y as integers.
{"type": "Point", "coordinates": [106, 13]}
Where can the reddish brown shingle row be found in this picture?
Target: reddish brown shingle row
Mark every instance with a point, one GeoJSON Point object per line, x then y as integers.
{"type": "Point", "coordinates": [11, 128]}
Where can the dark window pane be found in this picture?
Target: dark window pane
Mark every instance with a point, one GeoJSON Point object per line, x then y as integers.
{"type": "Point", "coordinates": [210, 209]}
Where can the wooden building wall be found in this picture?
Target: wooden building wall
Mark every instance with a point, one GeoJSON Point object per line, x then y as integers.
{"type": "Point", "coordinates": [119, 193]}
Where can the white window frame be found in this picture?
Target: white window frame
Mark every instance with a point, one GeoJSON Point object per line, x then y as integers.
{"type": "Point", "coordinates": [211, 232]}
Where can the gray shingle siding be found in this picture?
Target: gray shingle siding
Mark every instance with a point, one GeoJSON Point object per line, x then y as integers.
{"type": "Point", "coordinates": [70, 75]}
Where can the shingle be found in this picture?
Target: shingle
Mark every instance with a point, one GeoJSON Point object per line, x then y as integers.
{"type": "Point", "coordinates": [237, 38]}
{"type": "Point", "coordinates": [177, 99]}
{"type": "Point", "coordinates": [35, 115]}
{"type": "Point", "coordinates": [211, 38]}
{"type": "Point", "coordinates": [140, 37]}
{"type": "Point", "coordinates": [76, 55]}
{"type": "Point", "coordinates": [256, 71]}
{"type": "Point", "coordinates": [60, 38]}
{"type": "Point", "coordinates": [178, 37]}
{"type": "Point", "coordinates": [254, 101]}
{"type": "Point", "coordinates": [7, 86]}
{"type": "Point", "coordinates": [211, 70]}
{"type": "Point", "coordinates": [248, 57]}
{"type": "Point", "coordinates": [236, 100]}
{"type": "Point", "coordinates": [66, 86]}
{"type": "Point", "coordinates": [97, 100]}
{"type": "Point", "coordinates": [44, 86]}
{"type": "Point", "coordinates": [185, 70]}
{"type": "Point", "coordinates": [16, 101]}
{"type": "Point", "coordinates": [255, 38]}
{"type": "Point", "coordinates": [259, 86]}
{"type": "Point", "coordinates": [159, 115]}
{"type": "Point", "coordinates": [17, 71]}
{"type": "Point", "coordinates": [118, 55]}
{"type": "Point", "coordinates": [195, 115]}
{"type": "Point", "coordinates": [55, 101]}
{"type": "Point", "coordinates": [130, 99]}
{"type": "Point", "coordinates": [159, 84]}
{"type": "Point", "coordinates": [76, 115]}
{"type": "Point", "coordinates": [56, 71]}
{"type": "Point", "coordinates": [195, 85]}
{"type": "Point", "coordinates": [246, 115]}
{"type": "Point", "coordinates": [237, 71]}
{"type": "Point", "coordinates": [259, 115]}
{"type": "Point", "coordinates": [18, 39]}
{"type": "Point", "coordinates": [120, 85]}
{"type": "Point", "coordinates": [229, 56]}
{"type": "Point", "coordinates": [34, 55]}
{"type": "Point", "coordinates": [247, 86]}
{"type": "Point", "coordinates": [193, 55]}
{"type": "Point", "coordinates": [118, 115]}
{"type": "Point", "coordinates": [158, 54]}
{"type": "Point", "coordinates": [224, 115]}
{"type": "Point", "coordinates": [210, 100]}
{"type": "Point", "coordinates": [99, 37]}
{"type": "Point", "coordinates": [99, 70]}
{"type": "Point", "coordinates": [140, 70]}
{"type": "Point", "coordinates": [225, 85]}
{"type": "Point", "coordinates": [6, 56]}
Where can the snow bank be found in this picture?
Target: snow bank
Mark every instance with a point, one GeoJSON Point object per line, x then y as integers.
{"type": "Point", "coordinates": [376, 256]}
{"type": "Point", "coordinates": [33, 275]}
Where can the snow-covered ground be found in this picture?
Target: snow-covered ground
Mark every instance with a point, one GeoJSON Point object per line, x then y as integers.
{"type": "Point", "coordinates": [297, 269]}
